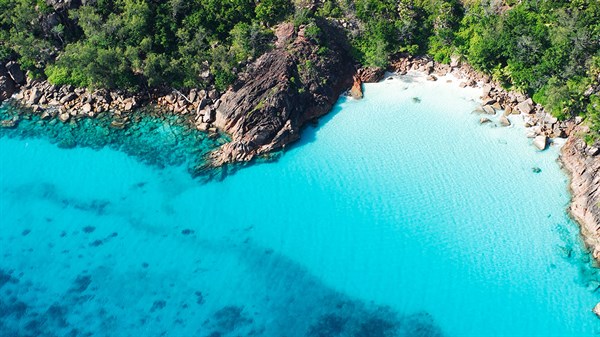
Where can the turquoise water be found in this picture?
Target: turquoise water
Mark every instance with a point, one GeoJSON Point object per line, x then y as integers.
{"type": "Point", "coordinates": [395, 216]}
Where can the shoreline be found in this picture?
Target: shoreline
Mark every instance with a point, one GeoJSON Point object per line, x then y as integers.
{"type": "Point", "coordinates": [580, 162]}
{"type": "Point", "coordinates": [199, 107]}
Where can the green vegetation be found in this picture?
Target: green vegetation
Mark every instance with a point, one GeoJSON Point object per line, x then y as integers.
{"type": "Point", "coordinates": [131, 43]}
{"type": "Point", "coordinates": [547, 48]}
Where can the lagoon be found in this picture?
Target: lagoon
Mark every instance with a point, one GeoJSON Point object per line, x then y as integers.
{"type": "Point", "coordinates": [398, 215]}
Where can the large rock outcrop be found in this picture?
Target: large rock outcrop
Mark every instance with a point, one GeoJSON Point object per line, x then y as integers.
{"type": "Point", "coordinates": [296, 82]}
{"type": "Point", "coordinates": [7, 85]}
{"type": "Point", "coordinates": [584, 165]}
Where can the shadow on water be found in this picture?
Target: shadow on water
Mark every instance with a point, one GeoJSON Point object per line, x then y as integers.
{"type": "Point", "coordinates": [310, 131]}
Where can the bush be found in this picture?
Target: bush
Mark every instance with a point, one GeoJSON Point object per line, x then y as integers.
{"type": "Point", "coordinates": [272, 11]}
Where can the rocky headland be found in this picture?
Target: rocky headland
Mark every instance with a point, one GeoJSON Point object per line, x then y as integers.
{"type": "Point", "coordinates": [296, 82]}
{"type": "Point", "coordinates": [299, 81]}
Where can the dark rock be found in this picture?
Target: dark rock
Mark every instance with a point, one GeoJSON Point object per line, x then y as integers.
{"type": "Point", "coordinates": [15, 72]}
{"type": "Point", "coordinates": [213, 94]}
{"type": "Point", "coordinates": [7, 85]}
{"type": "Point", "coordinates": [202, 103]}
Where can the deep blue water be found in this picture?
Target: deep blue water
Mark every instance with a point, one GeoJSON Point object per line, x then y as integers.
{"type": "Point", "coordinates": [395, 216]}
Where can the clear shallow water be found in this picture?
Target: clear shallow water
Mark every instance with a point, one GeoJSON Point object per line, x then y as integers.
{"type": "Point", "coordinates": [391, 217]}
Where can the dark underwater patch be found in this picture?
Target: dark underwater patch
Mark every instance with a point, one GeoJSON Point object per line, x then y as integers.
{"type": "Point", "coordinates": [57, 314]}
{"type": "Point", "coordinates": [96, 243]}
{"type": "Point", "coordinates": [199, 297]}
{"type": "Point", "coordinates": [81, 283]}
{"type": "Point", "coordinates": [227, 319]}
{"type": "Point", "coordinates": [187, 232]}
{"type": "Point", "coordinates": [328, 325]}
{"type": "Point", "coordinates": [88, 229]}
{"type": "Point", "coordinates": [12, 307]}
{"type": "Point", "coordinates": [154, 138]}
{"type": "Point", "coordinates": [6, 277]}
{"type": "Point", "coordinates": [158, 305]}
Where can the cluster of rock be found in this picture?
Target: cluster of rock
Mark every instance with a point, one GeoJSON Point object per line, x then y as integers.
{"type": "Point", "coordinates": [542, 125]}
{"type": "Point", "coordinates": [66, 102]}
{"type": "Point", "coordinates": [199, 104]}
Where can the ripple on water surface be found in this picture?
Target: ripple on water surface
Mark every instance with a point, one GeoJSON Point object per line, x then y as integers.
{"type": "Point", "coordinates": [396, 217]}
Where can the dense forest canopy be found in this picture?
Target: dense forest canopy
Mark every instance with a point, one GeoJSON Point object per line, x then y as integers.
{"type": "Point", "coordinates": [547, 48]}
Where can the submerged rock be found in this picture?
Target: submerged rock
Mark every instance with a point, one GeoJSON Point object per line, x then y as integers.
{"type": "Point", "coordinates": [9, 123]}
